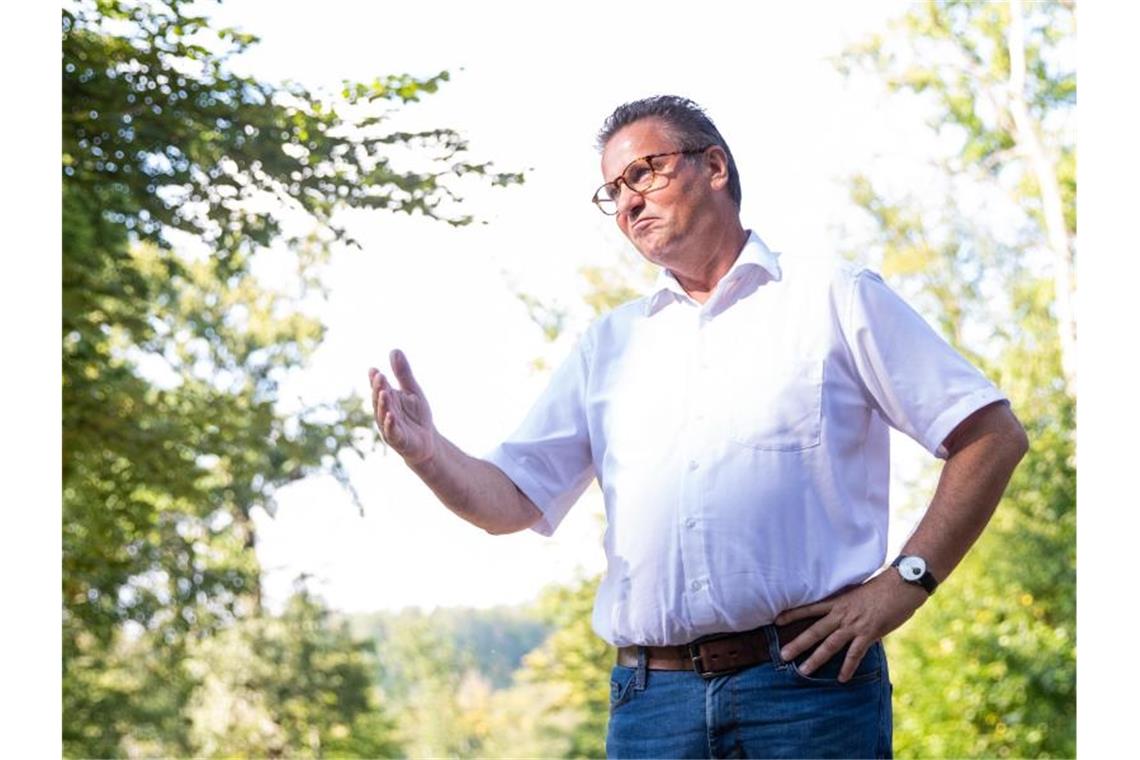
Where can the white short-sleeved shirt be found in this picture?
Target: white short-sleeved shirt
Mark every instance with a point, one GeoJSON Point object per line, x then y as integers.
{"type": "Point", "coordinates": [741, 445]}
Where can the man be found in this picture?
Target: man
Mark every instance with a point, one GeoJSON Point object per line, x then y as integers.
{"type": "Point", "coordinates": [736, 420]}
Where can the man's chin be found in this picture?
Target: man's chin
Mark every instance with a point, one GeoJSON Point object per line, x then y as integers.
{"type": "Point", "coordinates": [655, 254]}
{"type": "Point", "coordinates": [649, 255]}
{"type": "Point", "coordinates": [652, 248]}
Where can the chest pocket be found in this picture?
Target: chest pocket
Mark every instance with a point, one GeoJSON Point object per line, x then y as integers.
{"type": "Point", "coordinates": [777, 406]}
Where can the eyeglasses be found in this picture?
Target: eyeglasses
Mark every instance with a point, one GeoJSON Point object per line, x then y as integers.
{"type": "Point", "coordinates": [640, 176]}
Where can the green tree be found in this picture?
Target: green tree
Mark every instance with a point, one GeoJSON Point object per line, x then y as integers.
{"type": "Point", "coordinates": [288, 685]}
{"type": "Point", "coordinates": [573, 666]}
{"type": "Point", "coordinates": [441, 697]}
{"type": "Point", "coordinates": [988, 666]}
{"type": "Point", "coordinates": [494, 640]}
{"type": "Point", "coordinates": [1000, 83]}
{"type": "Point", "coordinates": [172, 430]}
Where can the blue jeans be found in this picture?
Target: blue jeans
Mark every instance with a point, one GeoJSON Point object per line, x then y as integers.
{"type": "Point", "coordinates": [768, 710]}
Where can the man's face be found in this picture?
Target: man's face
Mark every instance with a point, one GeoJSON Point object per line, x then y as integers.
{"type": "Point", "coordinates": [660, 222]}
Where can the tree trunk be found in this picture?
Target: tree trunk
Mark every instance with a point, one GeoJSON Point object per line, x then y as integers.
{"type": "Point", "coordinates": [1057, 233]}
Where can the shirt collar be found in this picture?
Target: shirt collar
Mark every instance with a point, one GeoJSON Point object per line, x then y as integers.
{"type": "Point", "coordinates": [755, 254]}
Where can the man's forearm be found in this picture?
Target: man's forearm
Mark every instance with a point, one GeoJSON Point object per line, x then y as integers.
{"type": "Point", "coordinates": [984, 450]}
{"type": "Point", "coordinates": [476, 490]}
{"type": "Point", "coordinates": [983, 454]}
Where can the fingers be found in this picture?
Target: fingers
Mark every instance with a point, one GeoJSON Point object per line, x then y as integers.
{"type": "Point", "coordinates": [855, 619]}
{"type": "Point", "coordinates": [403, 371]}
{"type": "Point", "coordinates": [378, 384]}
{"type": "Point", "coordinates": [374, 387]}
{"type": "Point", "coordinates": [377, 380]}
{"type": "Point", "coordinates": [854, 656]}
{"type": "Point", "coordinates": [807, 611]}
{"type": "Point", "coordinates": [401, 414]}
{"type": "Point", "coordinates": [391, 430]}
{"type": "Point", "coordinates": [373, 384]}
{"type": "Point", "coordinates": [809, 638]}
{"type": "Point", "coordinates": [830, 647]}
{"type": "Point", "coordinates": [856, 649]}
{"type": "Point", "coordinates": [383, 407]}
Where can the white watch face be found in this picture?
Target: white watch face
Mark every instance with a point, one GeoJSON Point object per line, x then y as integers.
{"type": "Point", "coordinates": [912, 568]}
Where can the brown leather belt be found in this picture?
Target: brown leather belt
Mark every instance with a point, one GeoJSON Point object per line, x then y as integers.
{"type": "Point", "coordinates": [717, 654]}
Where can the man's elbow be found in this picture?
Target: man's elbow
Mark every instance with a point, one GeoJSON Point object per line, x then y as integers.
{"type": "Point", "coordinates": [508, 527]}
{"type": "Point", "coordinates": [1015, 437]}
{"type": "Point", "coordinates": [1020, 440]}
{"type": "Point", "coordinates": [525, 514]}
{"type": "Point", "coordinates": [503, 528]}
{"type": "Point", "coordinates": [994, 427]}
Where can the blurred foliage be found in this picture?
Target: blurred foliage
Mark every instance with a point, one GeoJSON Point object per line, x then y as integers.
{"type": "Point", "coordinates": [493, 640]}
{"type": "Point", "coordinates": [288, 685]}
{"type": "Point", "coordinates": [605, 287]}
{"type": "Point", "coordinates": [267, 686]}
{"type": "Point", "coordinates": [610, 286]}
{"type": "Point", "coordinates": [575, 663]}
{"type": "Point", "coordinates": [998, 81]}
{"type": "Point", "coordinates": [178, 175]}
{"type": "Point", "coordinates": [442, 697]}
{"type": "Point", "coordinates": [434, 674]}
{"type": "Point", "coordinates": [987, 668]}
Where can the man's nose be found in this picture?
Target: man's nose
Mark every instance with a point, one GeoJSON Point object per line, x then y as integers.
{"type": "Point", "coordinates": [628, 201]}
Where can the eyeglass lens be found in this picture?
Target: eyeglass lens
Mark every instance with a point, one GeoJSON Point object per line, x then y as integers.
{"type": "Point", "coordinates": [638, 175]}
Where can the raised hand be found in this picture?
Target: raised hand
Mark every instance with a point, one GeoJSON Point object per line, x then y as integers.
{"type": "Point", "coordinates": [403, 415]}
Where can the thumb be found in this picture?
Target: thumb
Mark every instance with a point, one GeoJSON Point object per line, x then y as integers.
{"type": "Point", "coordinates": [403, 372]}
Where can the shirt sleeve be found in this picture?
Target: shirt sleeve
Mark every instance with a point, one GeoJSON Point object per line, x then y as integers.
{"type": "Point", "coordinates": [918, 382]}
{"type": "Point", "coordinates": [549, 457]}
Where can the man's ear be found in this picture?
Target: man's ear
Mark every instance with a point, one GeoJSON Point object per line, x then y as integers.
{"type": "Point", "coordinates": [716, 161]}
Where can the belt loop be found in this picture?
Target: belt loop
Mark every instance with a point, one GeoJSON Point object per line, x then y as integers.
{"type": "Point", "coordinates": [774, 646]}
{"type": "Point", "coordinates": [642, 668]}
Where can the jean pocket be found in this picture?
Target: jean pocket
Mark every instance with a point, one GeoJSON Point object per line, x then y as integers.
{"type": "Point", "coordinates": [778, 408]}
{"type": "Point", "coordinates": [621, 685]}
{"type": "Point", "coordinates": [870, 668]}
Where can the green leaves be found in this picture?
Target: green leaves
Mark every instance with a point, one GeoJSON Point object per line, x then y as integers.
{"type": "Point", "coordinates": [987, 668]}
{"type": "Point", "coordinates": [172, 358]}
{"type": "Point", "coordinates": [171, 125]}
{"type": "Point", "coordinates": [293, 683]}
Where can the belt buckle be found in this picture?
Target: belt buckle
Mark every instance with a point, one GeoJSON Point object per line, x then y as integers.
{"type": "Point", "coordinates": [694, 648]}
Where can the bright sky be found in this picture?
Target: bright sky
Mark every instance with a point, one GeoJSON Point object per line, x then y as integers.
{"type": "Point", "coordinates": [531, 83]}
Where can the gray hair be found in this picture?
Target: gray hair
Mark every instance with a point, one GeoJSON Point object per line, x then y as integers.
{"type": "Point", "coordinates": [685, 121]}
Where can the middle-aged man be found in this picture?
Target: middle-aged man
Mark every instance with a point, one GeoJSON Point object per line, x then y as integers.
{"type": "Point", "coordinates": [736, 421]}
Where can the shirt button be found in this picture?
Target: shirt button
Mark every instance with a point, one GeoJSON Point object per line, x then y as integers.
{"type": "Point", "coordinates": [690, 522]}
{"type": "Point", "coordinates": [693, 464]}
{"type": "Point", "coordinates": [695, 585]}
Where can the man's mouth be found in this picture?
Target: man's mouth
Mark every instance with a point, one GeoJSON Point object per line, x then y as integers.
{"type": "Point", "coordinates": [642, 223]}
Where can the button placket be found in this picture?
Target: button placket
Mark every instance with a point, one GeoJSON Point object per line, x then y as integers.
{"type": "Point", "coordinates": [696, 563]}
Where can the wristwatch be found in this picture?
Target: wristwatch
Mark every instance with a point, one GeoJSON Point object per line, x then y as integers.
{"type": "Point", "coordinates": [913, 570]}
